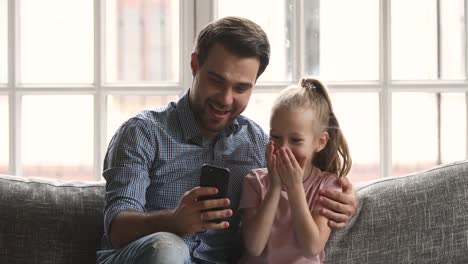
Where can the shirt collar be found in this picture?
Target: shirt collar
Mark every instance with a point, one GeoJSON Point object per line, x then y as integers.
{"type": "Point", "coordinates": [189, 126]}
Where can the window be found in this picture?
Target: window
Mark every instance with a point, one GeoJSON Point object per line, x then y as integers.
{"type": "Point", "coordinates": [82, 68]}
{"type": "Point", "coordinates": [3, 42]}
{"type": "Point", "coordinates": [142, 41]}
{"type": "Point", "coordinates": [53, 140]}
{"type": "Point", "coordinates": [4, 134]}
{"type": "Point", "coordinates": [453, 126]}
{"type": "Point", "coordinates": [4, 105]}
{"type": "Point", "coordinates": [427, 40]}
{"type": "Point", "coordinates": [70, 75]}
{"type": "Point", "coordinates": [56, 44]}
{"type": "Point", "coordinates": [345, 42]}
{"type": "Point", "coordinates": [122, 107]}
{"type": "Point", "coordinates": [363, 135]}
{"type": "Point", "coordinates": [397, 74]}
{"type": "Point", "coordinates": [275, 21]}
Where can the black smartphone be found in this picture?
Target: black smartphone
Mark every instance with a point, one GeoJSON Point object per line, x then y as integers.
{"type": "Point", "coordinates": [214, 176]}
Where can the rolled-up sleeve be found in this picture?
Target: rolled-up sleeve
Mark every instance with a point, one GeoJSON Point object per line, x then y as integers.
{"type": "Point", "coordinates": [128, 160]}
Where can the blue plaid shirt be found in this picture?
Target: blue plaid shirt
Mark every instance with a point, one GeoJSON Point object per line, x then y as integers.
{"type": "Point", "coordinates": [156, 156]}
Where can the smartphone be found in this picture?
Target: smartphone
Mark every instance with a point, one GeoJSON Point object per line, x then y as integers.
{"type": "Point", "coordinates": [214, 176]}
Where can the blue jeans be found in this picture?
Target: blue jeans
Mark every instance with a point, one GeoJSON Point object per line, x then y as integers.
{"type": "Point", "coordinates": [157, 248]}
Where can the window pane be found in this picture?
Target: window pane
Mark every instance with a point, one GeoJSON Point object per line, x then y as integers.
{"type": "Point", "coordinates": [3, 41]}
{"type": "Point", "coordinates": [414, 133]}
{"type": "Point", "coordinates": [57, 136]}
{"type": "Point", "coordinates": [452, 65]}
{"type": "Point", "coordinates": [142, 40]}
{"type": "Point", "coordinates": [276, 18]}
{"type": "Point", "coordinates": [453, 127]}
{"type": "Point", "coordinates": [120, 108]}
{"type": "Point", "coordinates": [4, 134]}
{"type": "Point", "coordinates": [259, 108]}
{"type": "Point", "coordinates": [414, 39]}
{"type": "Point", "coordinates": [56, 41]}
{"type": "Point", "coordinates": [348, 44]}
{"type": "Point", "coordinates": [363, 139]}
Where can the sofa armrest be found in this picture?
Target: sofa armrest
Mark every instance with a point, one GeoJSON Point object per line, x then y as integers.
{"type": "Point", "coordinates": [418, 218]}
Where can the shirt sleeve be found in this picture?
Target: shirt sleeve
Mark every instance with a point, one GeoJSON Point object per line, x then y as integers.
{"type": "Point", "coordinates": [251, 195]}
{"type": "Point", "coordinates": [128, 160]}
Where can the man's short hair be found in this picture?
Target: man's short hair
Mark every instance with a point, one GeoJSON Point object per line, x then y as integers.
{"type": "Point", "coordinates": [239, 35]}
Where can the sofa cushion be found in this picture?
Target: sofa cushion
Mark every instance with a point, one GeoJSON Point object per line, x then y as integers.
{"type": "Point", "coordinates": [50, 221]}
{"type": "Point", "coordinates": [419, 218]}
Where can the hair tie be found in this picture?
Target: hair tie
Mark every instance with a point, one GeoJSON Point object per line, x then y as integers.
{"type": "Point", "coordinates": [308, 84]}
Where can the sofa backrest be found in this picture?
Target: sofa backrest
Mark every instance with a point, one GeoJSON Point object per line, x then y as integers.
{"type": "Point", "coordinates": [419, 218]}
{"type": "Point", "coordinates": [50, 221]}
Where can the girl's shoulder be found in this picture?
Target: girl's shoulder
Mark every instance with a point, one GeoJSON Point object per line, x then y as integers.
{"type": "Point", "coordinates": [324, 179]}
{"type": "Point", "coordinates": [257, 177]}
{"type": "Point", "coordinates": [259, 174]}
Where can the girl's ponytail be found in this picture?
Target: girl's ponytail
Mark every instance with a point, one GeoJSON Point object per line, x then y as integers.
{"type": "Point", "coordinates": [335, 156]}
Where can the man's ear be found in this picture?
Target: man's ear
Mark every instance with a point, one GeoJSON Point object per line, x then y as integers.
{"type": "Point", "coordinates": [194, 63]}
{"type": "Point", "coordinates": [322, 141]}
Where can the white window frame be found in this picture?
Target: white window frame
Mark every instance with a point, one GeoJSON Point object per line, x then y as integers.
{"type": "Point", "coordinates": [385, 87]}
{"type": "Point", "coordinates": [99, 89]}
{"type": "Point", "coordinates": [193, 16]}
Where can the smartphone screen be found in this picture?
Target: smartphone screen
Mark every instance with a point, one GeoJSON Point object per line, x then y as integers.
{"type": "Point", "coordinates": [214, 176]}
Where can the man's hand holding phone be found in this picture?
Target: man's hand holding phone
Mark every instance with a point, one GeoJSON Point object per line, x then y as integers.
{"type": "Point", "coordinates": [217, 177]}
{"type": "Point", "coordinates": [205, 206]}
{"type": "Point", "coordinates": [192, 215]}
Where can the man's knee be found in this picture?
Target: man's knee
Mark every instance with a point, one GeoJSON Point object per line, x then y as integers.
{"type": "Point", "coordinates": [165, 239]}
{"type": "Point", "coordinates": [163, 247]}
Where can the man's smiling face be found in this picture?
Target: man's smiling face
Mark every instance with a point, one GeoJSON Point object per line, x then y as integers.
{"type": "Point", "coordinates": [221, 88]}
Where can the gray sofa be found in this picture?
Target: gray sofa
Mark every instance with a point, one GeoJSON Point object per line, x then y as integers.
{"type": "Point", "coordinates": [418, 218]}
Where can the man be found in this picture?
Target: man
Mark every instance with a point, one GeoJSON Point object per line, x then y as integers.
{"type": "Point", "coordinates": [152, 167]}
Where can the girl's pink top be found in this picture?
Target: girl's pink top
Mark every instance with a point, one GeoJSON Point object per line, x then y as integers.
{"type": "Point", "coordinates": [283, 245]}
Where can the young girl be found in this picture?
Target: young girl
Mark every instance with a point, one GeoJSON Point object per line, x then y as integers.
{"type": "Point", "coordinates": [307, 152]}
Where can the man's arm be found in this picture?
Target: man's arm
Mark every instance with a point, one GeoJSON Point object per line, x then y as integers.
{"type": "Point", "coordinates": [187, 218]}
{"type": "Point", "coordinates": [339, 207]}
{"type": "Point", "coordinates": [129, 226]}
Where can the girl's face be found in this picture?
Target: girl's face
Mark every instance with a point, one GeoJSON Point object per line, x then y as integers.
{"type": "Point", "coordinates": [296, 129]}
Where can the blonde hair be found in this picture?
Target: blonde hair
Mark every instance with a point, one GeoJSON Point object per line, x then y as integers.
{"type": "Point", "coordinates": [312, 93]}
